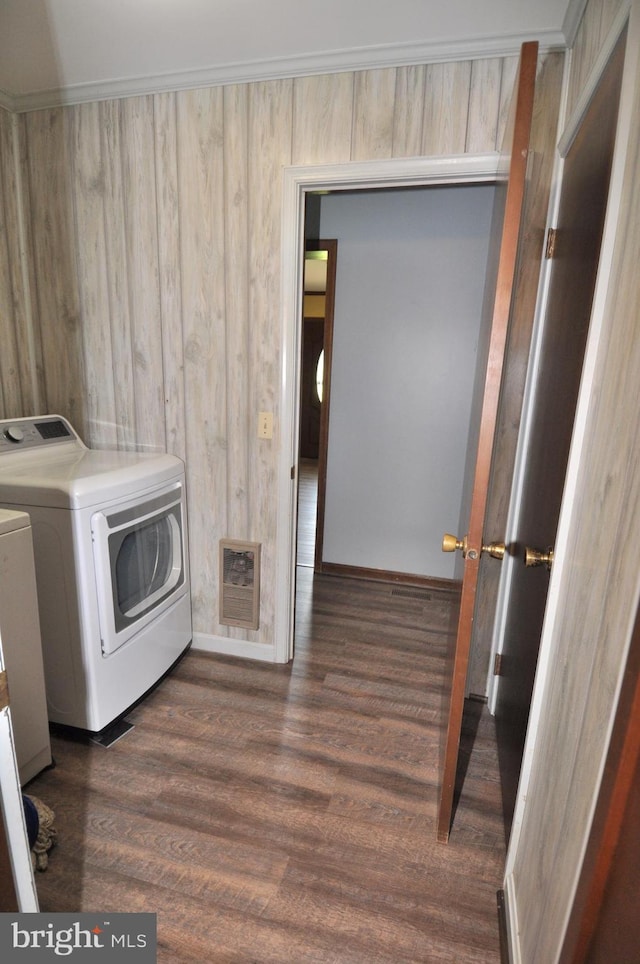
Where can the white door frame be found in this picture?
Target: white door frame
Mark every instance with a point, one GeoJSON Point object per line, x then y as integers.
{"type": "Point", "coordinates": [12, 813]}
{"type": "Point", "coordinates": [298, 181]}
{"type": "Point", "coordinates": [569, 128]}
{"type": "Point", "coordinates": [596, 339]}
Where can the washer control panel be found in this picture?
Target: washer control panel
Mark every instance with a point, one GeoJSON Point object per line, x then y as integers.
{"type": "Point", "coordinates": [29, 433]}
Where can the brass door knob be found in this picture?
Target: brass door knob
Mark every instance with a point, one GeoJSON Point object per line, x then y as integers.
{"type": "Point", "coordinates": [451, 543]}
{"type": "Point", "coordinates": [495, 549]}
{"type": "Point", "coordinates": [535, 557]}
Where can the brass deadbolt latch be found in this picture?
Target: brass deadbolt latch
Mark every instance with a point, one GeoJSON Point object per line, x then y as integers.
{"type": "Point", "coordinates": [535, 557]}
{"type": "Point", "coordinates": [495, 549]}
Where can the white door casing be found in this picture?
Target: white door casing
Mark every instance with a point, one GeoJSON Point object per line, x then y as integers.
{"type": "Point", "coordinates": [298, 181]}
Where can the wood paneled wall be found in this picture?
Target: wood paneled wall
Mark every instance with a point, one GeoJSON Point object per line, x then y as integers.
{"type": "Point", "coordinates": [21, 371]}
{"type": "Point", "coordinates": [596, 22]}
{"type": "Point", "coordinates": [151, 243]}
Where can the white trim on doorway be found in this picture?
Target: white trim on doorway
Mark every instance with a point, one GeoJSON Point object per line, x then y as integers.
{"type": "Point", "coordinates": [568, 127]}
{"type": "Point", "coordinates": [298, 181]}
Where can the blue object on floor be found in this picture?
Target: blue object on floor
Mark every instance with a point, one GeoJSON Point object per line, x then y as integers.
{"type": "Point", "coordinates": [31, 818]}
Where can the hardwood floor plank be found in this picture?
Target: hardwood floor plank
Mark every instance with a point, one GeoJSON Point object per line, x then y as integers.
{"type": "Point", "coordinates": [278, 814]}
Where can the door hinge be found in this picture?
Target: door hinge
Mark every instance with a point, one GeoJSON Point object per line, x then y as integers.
{"type": "Point", "coordinates": [293, 472]}
{"type": "Point", "coordinates": [497, 664]}
{"type": "Point", "coordinates": [552, 239]}
{"type": "Point", "coordinates": [4, 690]}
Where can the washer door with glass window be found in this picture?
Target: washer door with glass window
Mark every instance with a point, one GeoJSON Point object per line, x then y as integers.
{"type": "Point", "coordinates": [140, 564]}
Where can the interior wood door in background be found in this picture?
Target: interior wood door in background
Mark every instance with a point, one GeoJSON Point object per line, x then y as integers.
{"type": "Point", "coordinates": [331, 247]}
{"type": "Point", "coordinates": [580, 223]}
{"type": "Point", "coordinates": [491, 348]}
{"type": "Point", "coordinates": [310, 402]}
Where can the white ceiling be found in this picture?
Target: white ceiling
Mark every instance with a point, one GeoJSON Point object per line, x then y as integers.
{"type": "Point", "coordinates": [57, 51]}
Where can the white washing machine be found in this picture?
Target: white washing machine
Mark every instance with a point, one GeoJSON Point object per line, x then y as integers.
{"type": "Point", "coordinates": [112, 568]}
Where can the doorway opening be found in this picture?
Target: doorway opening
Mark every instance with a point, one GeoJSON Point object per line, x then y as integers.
{"type": "Point", "coordinates": [411, 267]}
{"type": "Point", "coordinates": [299, 183]}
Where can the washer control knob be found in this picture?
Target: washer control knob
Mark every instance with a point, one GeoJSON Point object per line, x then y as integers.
{"type": "Point", "coordinates": [14, 433]}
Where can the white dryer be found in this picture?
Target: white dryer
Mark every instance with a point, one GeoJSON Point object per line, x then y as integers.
{"type": "Point", "coordinates": [112, 569]}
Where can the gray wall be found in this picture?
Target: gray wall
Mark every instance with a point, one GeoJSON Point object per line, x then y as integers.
{"type": "Point", "coordinates": [409, 288]}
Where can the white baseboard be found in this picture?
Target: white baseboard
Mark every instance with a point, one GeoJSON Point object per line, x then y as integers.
{"type": "Point", "coordinates": [223, 646]}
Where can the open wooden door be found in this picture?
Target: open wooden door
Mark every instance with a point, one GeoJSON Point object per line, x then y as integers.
{"type": "Point", "coordinates": [491, 348]}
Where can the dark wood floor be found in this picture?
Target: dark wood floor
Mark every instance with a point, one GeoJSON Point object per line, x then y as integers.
{"type": "Point", "coordinates": [287, 814]}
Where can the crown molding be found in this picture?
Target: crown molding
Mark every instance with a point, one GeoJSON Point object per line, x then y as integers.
{"type": "Point", "coordinates": [303, 65]}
